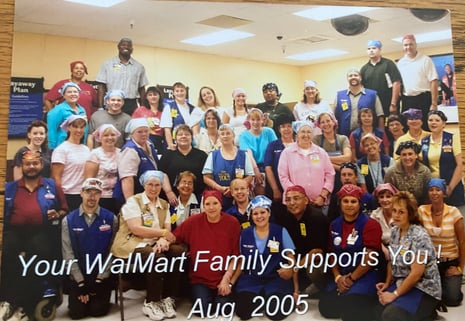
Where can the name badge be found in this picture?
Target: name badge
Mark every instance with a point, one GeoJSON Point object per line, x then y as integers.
{"type": "Point", "coordinates": [194, 211]}
{"type": "Point", "coordinates": [303, 229]}
{"type": "Point", "coordinates": [274, 246]}
{"type": "Point", "coordinates": [352, 238]}
{"type": "Point", "coordinates": [239, 173]}
{"type": "Point", "coordinates": [364, 169]}
{"type": "Point", "coordinates": [104, 227]}
{"type": "Point", "coordinates": [315, 158]}
{"type": "Point", "coordinates": [147, 219]}
{"type": "Point", "coordinates": [245, 225]}
{"type": "Point", "coordinates": [49, 196]}
{"type": "Point", "coordinates": [174, 218]}
{"type": "Point", "coordinates": [344, 105]}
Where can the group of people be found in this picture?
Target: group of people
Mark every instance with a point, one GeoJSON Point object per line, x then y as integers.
{"type": "Point", "coordinates": [338, 202]}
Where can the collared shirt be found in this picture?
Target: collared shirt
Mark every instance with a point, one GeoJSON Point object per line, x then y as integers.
{"type": "Point", "coordinates": [128, 161]}
{"type": "Point", "coordinates": [354, 98]}
{"type": "Point", "coordinates": [183, 211]}
{"type": "Point", "coordinates": [417, 74]}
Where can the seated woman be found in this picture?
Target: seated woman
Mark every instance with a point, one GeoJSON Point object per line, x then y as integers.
{"type": "Point", "coordinates": [411, 290]}
{"type": "Point", "coordinates": [383, 194]}
{"type": "Point", "coordinates": [268, 240]}
{"type": "Point", "coordinates": [444, 225]}
{"type": "Point", "coordinates": [395, 128]}
{"type": "Point", "coordinates": [144, 229]}
{"type": "Point", "coordinates": [408, 173]}
{"type": "Point", "coordinates": [187, 201]}
{"type": "Point", "coordinates": [210, 286]}
{"type": "Point", "coordinates": [354, 283]}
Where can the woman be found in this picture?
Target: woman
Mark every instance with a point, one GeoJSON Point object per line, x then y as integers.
{"type": "Point", "coordinates": [87, 97]}
{"type": "Point", "coordinates": [36, 141]}
{"type": "Point", "coordinates": [207, 231]}
{"type": "Point", "coordinates": [145, 228]}
{"type": "Point", "coordinates": [444, 225]}
{"type": "Point", "coordinates": [408, 173]}
{"type": "Point", "coordinates": [208, 99]}
{"type": "Point", "coordinates": [225, 164]}
{"type": "Point", "coordinates": [267, 240]}
{"type": "Point", "coordinates": [208, 138]}
{"type": "Point", "coordinates": [255, 140]}
{"type": "Point", "coordinates": [308, 165]}
{"type": "Point", "coordinates": [184, 158]}
{"type": "Point", "coordinates": [237, 117]}
{"type": "Point", "coordinates": [394, 129]}
{"type": "Point", "coordinates": [352, 294]}
{"type": "Point", "coordinates": [240, 193]}
{"type": "Point", "coordinates": [151, 109]}
{"type": "Point", "coordinates": [415, 133]}
{"type": "Point", "coordinates": [442, 154]}
{"type": "Point", "coordinates": [63, 111]}
{"type": "Point", "coordinates": [187, 201]}
{"type": "Point", "coordinates": [69, 159]}
{"type": "Point", "coordinates": [311, 104]}
{"type": "Point", "coordinates": [412, 288]}
{"type": "Point", "coordinates": [449, 97]}
{"type": "Point", "coordinates": [283, 125]}
{"type": "Point", "coordinates": [366, 121]}
{"type": "Point", "coordinates": [374, 164]}
{"type": "Point", "coordinates": [102, 164]}
{"type": "Point", "coordinates": [383, 194]}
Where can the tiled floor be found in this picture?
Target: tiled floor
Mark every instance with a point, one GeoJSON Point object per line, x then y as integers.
{"type": "Point", "coordinates": [134, 300]}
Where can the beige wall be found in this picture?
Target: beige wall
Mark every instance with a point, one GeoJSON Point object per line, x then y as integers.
{"type": "Point", "coordinates": [52, 55]}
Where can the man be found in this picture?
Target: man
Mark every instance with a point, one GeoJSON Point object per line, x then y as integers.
{"type": "Point", "coordinates": [420, 79]}
{"type": "Point", "coordinates": [33, 208]}
{"type": "Point", "coordinates": [240, 193]}
{"type": "Point", "coordinates": [382, 75]}
{"type": "Point", "coordinates": [87, 233]}
{"type": "Point", "coordinates": [349, 101]}
{"type": "Point", "coordinates": [271, 106]}
{"type": "Point", "coordinates": [112, 115]}
{"type": "Point", "coordinates": [125, 73]}
{"type": "Point", "coordinates": [309, 232]}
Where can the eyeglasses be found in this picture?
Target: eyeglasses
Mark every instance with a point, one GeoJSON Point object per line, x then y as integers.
{"type": "Point", "coordinates": [186, 183]}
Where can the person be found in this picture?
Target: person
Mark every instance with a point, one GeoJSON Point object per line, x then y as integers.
{"type": "Point", "coordinates": [113, 115]}
{"type": "Point", "coordinates": [69, 159]}
{"type": "Point", "coordinates": [412, 288]}
{"type": "Point", "coordinates": [273, 151]}
{"type": "Point", "coordinates": [414, 133]}
{"type": "Point", "coordinates": [151, 109]}
{"type": "Point", "coordinates": [374, 164]}
{"type": "Point", "coordinates": [444, 225]}
{"type": "Point", "coordinates": [306, 164]}
{"type": "Point", "coordinates": [63, 111]}
{"type": "Point", "coordinates": [395, 128]}
{"type": "Point", "coordinates": [349, 101]}
{"type": "Point", "coordinates": [240, 192]}
{"type": "Point", "coordinates": [273, 242]}
{"type": "Point", "coordinates": [311, 104]}
{"type": "Point", "coordinates": [184, 157]}
{"type": "Point", "coordinates": [102, 164]}
{"type": "Point", "coordinates": [309, 232]}
{"type": "Point", "coordinates": [237, 117]}
{"type": "Point", "coordinates": [87, 97]}
{"type": "Point", "coordinates": [145, 229]}
{"type": "Point", "coordinates": [271, 107]}
{"type": "Point", "coordinates": [419, 79]}
{"type": "Point", "coordinates": [210, 286]}
{"type": "Point", "coordinates": [179, 112]}
{"type": "Point", "coordinates": [366, 120]}
{"type": "Point", "coordinates": [87, 233]}
{"type": "Point", "coordinates": [36, 141]}
{"type": "Point", "coordinates": [442, 154]}
{"type": "Point", "coordinates": [381, 74]}
{"type": "Point", "coordinates": [208, 139]}
{"type": "Point", "coordinates": [383, 194]}
{"type": "Point", "coordinates": [188, 203]}
{"type": "Point", "coordinates": [449, 95]}
{"type": "Point", "coordinates": [137, 156]}
{"type": "Point", "coordinates": [225, 164]}
{"type": "Point", "coordinates": [32, 210]}
{"type": "Point", "coordinates": [408, 173]}
{"type": "Point", "coordinates": [352, 294]}
{"type": "Point", "coordinates": [208, 99]}
{"type": "Point", "coordinates": [122, 72]}
{"type": "Point", "coordinates": [255, 140]}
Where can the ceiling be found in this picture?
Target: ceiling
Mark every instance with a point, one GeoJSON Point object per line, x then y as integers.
{"type": "Point", "coordinates": [164, 23]}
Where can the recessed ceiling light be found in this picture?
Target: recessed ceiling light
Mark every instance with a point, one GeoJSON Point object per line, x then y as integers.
{"type": "Point", "coordinates": [97, 3]}
{"type": "Point", "coordinates": [313, 55]}
{"type": "Point", "coordinates": [217, 37]}
{"type": "Point", "coordinates": [330, 12]}
{"type": "Point", "coordinates": [430, 36]}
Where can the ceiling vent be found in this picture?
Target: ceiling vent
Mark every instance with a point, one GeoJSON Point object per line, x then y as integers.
{"type": "Point", "coordinates": [429, 15]}
{"type": "Point", "coordinates": [225, 22]}
{"type": "Point", "coordinates": [350, 25]}
{"type": "Point", "coordinates": [309, 39]}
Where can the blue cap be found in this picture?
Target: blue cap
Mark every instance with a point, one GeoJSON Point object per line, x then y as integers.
{"type": "Point", "coordinates": [374, 43]}
{"type": "Point", "coordinates": [439, 183]}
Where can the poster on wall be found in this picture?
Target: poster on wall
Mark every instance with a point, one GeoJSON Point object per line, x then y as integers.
{"type": "Point", "coordinates": [266, 276]}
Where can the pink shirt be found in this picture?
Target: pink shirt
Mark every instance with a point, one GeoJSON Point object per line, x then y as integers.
{"type": "Point", "coordinates": [313, 171]}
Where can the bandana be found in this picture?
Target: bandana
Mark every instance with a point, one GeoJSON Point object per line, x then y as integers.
{"type": "Point", "coordinates": [310, 83]}
{"type": "Point", "coordinates": [238, 91]}
{"type": "Point", "coordinates": [374, 43]}
{"type": "Point", "coordinates": [151, 174]}
{"type": "Point", "coordinates": [135, 123]}
{"type": "Point", "coordinates": [350, 190]}
{"type": "Point", "coordinates": [296, 188]}
{"type": "Point", "coordinates": [385, 187]}
{"type": "Point", "coordinates": [297, 125]}
{"type": "Point", "coordinates": [412, 114]}
{"type": "Point", "coordinates": [214, 193]}
{"type": "Point", "coordinates": [259, 201]}
{"type": "Point", "coordinates": [99, 131]}
{"type": "Point", "coordinates": [67, 85]}
{"type": "Point", "coordinates": [65, 125]}
{"type": "Point", "coordinates": [439, 183]}
{"type": "Point", "coordinates": [74, 63]}
{"type": "Point", "coordinates": [406, 145]}
{"type": "Point", "coordinates": [113, 93]}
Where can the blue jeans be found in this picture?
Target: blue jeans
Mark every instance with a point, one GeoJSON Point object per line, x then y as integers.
{"type": "Point", "coordinates": [207, 297]}
{"type": "Point", "coordinates": [451, 290]}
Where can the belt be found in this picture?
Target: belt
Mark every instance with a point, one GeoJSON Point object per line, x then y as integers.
{"type": "Point", "coordinates": [446, 259]}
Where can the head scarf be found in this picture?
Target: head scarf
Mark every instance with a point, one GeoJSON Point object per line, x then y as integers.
{"type": "Point", "coordinates": [135, 123]}
{"type": "Point", "coordinates": [151, 174]}
{"type": "Point", "coordinates": [350, 190]}
{"type": "Point", "coordinates": [385, 187]}
{"type": "Point", "coordinates": [238, 91]}
{"type": "Point", "coordinates": [374, 43]}
{"type": "Point", "coordinates": [297, 125]}
{"type": "Point", "coordinates": [437, 182]}
{"type": "Point", "coordinates": [67, 85]}
{"type": "Point", "coordinates": [412, 113]}
{"type": "Point", "coordinates": [99, 131]}
{"type": "Point", "coordinates": [259, 201]}
{"type": "Point", "coordinates": [114, 92]}
{"type": "Point", "coordinates": [216, 194]}
{"type": "Point", "coordinates": [65, 125]}
{"type": "Point", "coordinates": [74, 63]}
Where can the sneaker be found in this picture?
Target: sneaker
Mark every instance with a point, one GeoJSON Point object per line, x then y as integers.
{"type": "Point", "coordinates": [50, 292]}
{"type": "Point", "coordinates": [153, 311]}
{"type": "Point", "coordinates": [168, 307]}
